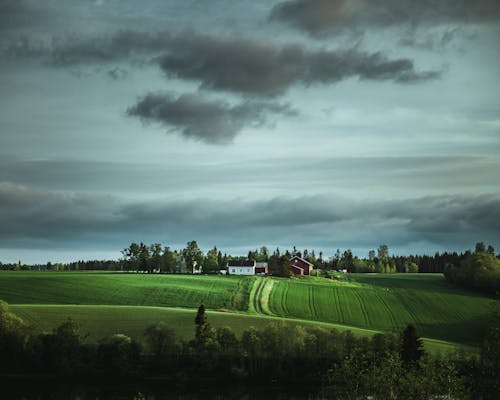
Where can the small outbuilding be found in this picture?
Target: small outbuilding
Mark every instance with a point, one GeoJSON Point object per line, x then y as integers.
{"type": "Point", "coordinates": [261, 268]}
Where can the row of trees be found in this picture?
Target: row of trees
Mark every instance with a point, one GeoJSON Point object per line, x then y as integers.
{"type": "Point", "coordinates": [83, 265]}
{"type": "Point", "coordinates": [155, 257]}
{"type": "Point", "coordinates": [158, 258]}
{"type": "Point", "coordinates": [191, 259]}
{"type": "Point", "coordinates": [383, 366]}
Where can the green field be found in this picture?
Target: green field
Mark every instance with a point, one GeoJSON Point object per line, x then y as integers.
{"type": "Point", "coordinates": [387, 303]}
{"type": "Point", "coordinates": [106, 303]}
{"type": "Point", "coordinates": [124, 289]}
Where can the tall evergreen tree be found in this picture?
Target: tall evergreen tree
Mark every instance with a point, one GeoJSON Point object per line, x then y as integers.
{"type": "Point", "coordinates": [411, 346]}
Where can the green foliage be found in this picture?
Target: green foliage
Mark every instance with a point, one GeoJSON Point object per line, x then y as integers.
{"type": "Point", "coordinates": [161, 339]}
{"type": "Point", "coordinates": [489, 384]}
{"type": "Point", "coordinates": [205, 335]}
{"type": "Point", "coordinates": [193, 256]}
{"type": "Point", "coordinates": [62, 349]}
{"type": "Point", "coordinates": [479, 271]}
{"type": "Point", "coordinates": [412, 348]}
{"type": "Point", "coordinates": [279, 265]}
{"type": "Point", "coordinates": [211, 262]}
{"type": "Point", "coordinates": [118, 355]}
{"type": "Point", "coordinates": [228, 342]}
{"type": "Point", "coordinates": [351, 367]}
{"type": "Point", "coordinates": [14, 334]}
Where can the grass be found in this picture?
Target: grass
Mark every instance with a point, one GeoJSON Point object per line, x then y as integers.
{"type": "Point", "coordinates": [97, 322]}
{"type": "Point", "coordinates": [123, 289]}
{"type": "Point", "coordinates": [105, 303]}
{"type": "Point", "coordinates": [387, 303]}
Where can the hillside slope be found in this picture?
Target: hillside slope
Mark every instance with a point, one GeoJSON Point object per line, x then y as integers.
{"type": "Point", "coordinates": [363, 302]}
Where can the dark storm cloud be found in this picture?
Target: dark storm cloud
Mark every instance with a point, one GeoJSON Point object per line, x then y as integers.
{"type": "Point", "coordinates": [240, 65]}
{"type": "Point", "coordinates": [126, 44]}
{"type": "Point", "coordinates": [258, 68]}
{"type": "Point", "coordinates": [323, 17]}
{"type": "Point", "coordinates": [199, 118]}
{"type": "Point", "coordinates": [36, 215]}
{"type": "Point", "coordinates": [59, 220]}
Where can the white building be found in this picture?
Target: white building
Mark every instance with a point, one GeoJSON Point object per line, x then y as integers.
{"type": "Point", "coordinates": [241, 267]}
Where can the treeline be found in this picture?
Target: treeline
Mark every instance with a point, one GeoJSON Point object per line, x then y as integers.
{"type": "Point", "coordinates": [191, 259]}
{"type": "Point", "coordinates": [479, 270]}
{"type": "Point", "coordinates": [88, 265]}
{"type": "Point", "coordinates": [383, 366]}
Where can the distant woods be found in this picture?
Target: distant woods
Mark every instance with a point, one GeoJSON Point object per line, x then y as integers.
{"type": "Point", "coordinates": [158, 258]}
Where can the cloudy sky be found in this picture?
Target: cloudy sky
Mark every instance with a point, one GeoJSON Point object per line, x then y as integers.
{"type": "Point", "coordinates": [317, 123]}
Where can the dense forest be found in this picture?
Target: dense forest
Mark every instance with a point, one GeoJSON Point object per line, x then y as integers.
{"type": "Point", "coordinates": [383, 366]}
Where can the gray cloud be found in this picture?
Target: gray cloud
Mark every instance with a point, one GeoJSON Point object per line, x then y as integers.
{"type": "Point", "coordinates": [245, 66]}
{"type": "Point", "coordinates": [117, 73]}
{"type": "Point", "coordinates": [125, 44]}
{"type": "Point", "coordinates": [199, 118]}
{"type": "Point", "coordinates": [60, 220]}
{"type": "Point", "coordinates": [249, 66]}
{"type": "Point", "coordinates": [323, 17]}
{"type": "Point", "coordinates": [16, 13]}
{"type": "Point", "coordinates": [431, 41]}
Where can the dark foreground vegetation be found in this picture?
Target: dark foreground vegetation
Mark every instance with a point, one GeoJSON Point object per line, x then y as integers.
{"type": "Point", "coordinates": [384, 366]}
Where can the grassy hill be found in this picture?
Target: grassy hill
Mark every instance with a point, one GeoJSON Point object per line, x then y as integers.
{"type": "Point", "coordinates": [123, 289]}
{"type": "Point", "coordinates": [105, 303]}
{"type": "Point", "coordinates": [386, 303]}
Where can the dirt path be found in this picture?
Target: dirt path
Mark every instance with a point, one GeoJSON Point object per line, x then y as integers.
{"type": "Point", "coordinates": [259, 296]}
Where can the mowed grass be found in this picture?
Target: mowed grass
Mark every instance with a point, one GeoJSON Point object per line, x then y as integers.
{"type": "Point", "coordinates": [124, 289]}
{"type": "Point", "coordinates": [387, 303]}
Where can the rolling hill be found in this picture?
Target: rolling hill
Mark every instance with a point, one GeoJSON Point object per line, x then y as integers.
{"type": "Point", "coordinates": [105, 303]}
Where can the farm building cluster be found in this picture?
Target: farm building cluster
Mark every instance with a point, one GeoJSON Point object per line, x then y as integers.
{"type": "Point", "coordinates": [298, 266]}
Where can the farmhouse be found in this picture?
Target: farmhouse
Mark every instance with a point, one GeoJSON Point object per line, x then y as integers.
{"type": "Point", "coordinates": [299, 266]}
{"type": "Point", "coordinates": [241, 267]}
{"type": "Point", "coordinates": [246, 267]}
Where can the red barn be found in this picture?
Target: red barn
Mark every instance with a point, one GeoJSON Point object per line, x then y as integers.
{"type": "Point", "coordinates": [299, 266]}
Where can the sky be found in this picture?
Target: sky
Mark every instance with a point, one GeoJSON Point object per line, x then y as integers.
{"type": "Point", "coordinates": [320, 124]}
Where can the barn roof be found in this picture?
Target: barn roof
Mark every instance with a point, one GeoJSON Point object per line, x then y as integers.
{"type": "Point", "coordinates": [296, 257]}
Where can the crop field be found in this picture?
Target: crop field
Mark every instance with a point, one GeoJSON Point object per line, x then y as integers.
{"type": "Point", "coordinates": [386, 303]}
{"type": "Point", "coordinates": [105, 303]}
{"type": "Point", "coordinates": [124, 289]}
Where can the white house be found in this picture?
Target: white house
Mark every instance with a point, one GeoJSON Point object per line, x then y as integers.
{"type": "Point", "coordinates": [241, 267]}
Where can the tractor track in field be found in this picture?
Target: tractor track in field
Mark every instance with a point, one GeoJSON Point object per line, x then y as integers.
{"type": "Point", "coordinates": [283, 300]}
{"type": "Point", "coordinates": [338, 304]}
{"type": "Point", "coordinates": [260, 295]}
{"type": "Point", "coordinates": [363, 309]}
{"type": "Point", "coordinates": [312, 306]}
{"type": "Point", "coordinates": [388, 309]}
